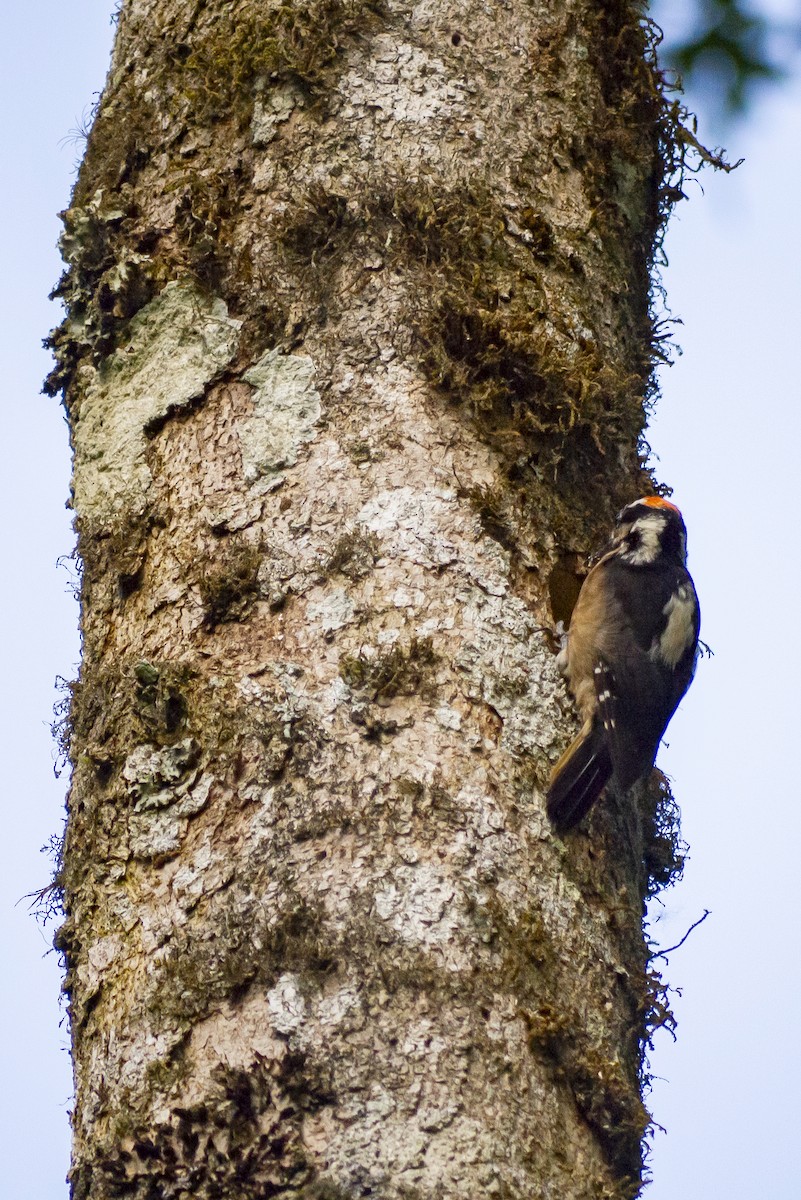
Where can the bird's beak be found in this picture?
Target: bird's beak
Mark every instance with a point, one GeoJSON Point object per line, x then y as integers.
{"type": "Point", "coordinates": [611, 546]}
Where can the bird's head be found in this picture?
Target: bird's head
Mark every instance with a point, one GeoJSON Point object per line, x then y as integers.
{"type": "Point", "coordinates": [648, 529]}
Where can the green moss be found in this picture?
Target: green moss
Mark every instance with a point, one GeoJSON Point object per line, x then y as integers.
{"type": "Point", "coordinates": [605, 1092]}
{"type": "Point", "coordinates": [109, 278]}
{"type": "Point", "coordinates": [360, 452]}
{"type": "Point", "coordinates": [665, 850]}
{"type": "Point", "coordinates": [326, 1189]}
{"type": "Point", "coordinates": [530, 392]}
{"type": "Point", "coordinates": [489, 335]}
{"type": "Point", "coordinates": [398, 671]}
{"type": "Point", "coordinates": [113, 708]}
{"type": "Point", "coordinates": [548, 1029]}
{"type": "Point", "coordinates": [354, 554]}
{"type": "Point", "coordinates": [609, 1101]}
{"type": "Point", "coordinates": [486, 336]}
{"type": "Point", "coordinates": [244, 947]}
{"type": "Point", "coordinates": [296, 41]}
{"type": "Point", "coordinates": [243, 1139]}
{"type": "Point", "coordinates": [163, 1074]}
{"type": "Point", "coordinates": [564, 584]}
{"type": "Point", "coordinates": [204, 221]}
{"type": "Point", "coordinates": [314, 228]}
{"type": "Point", "coordinates": [115, 265]}
{"type": "Point", "coordinates": [229, 582]}
{"type": "Point", "coordinates": [492, 506]}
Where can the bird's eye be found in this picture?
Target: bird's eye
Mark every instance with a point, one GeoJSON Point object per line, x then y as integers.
{"type": "Point", "coordinates": [633, 539]}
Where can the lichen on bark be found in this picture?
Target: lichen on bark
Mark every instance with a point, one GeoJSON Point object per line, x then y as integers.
{"type": "Point", "coordinates": [357, 359]}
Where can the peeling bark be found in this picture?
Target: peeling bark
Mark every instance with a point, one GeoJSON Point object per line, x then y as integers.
{"type": "Point", "coordinates": [356, 361]}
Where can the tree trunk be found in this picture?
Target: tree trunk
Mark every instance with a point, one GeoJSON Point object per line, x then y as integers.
{"type": "Point", "coordinates": [356, 361]}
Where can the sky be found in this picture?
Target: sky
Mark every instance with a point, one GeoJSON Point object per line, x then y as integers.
{"type": "Point", "coordinates": [727, 435]}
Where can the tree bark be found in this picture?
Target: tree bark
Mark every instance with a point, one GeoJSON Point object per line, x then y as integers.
{"type": "Point", "coordinates": [357, 359]}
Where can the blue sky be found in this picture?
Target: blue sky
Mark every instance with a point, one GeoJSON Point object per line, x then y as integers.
{"type": "Point", "coordinates": [53, 56]}
{"type": "Point", "coordinates": [727, 436]}
{"type": "Point", "coordinates": [727, 433]}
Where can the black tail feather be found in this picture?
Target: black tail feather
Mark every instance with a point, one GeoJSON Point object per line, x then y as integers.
{"type": "Point", "coordinates": [578, 778]}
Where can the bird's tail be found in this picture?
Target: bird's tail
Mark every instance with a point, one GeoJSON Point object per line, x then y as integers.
{"type": "Point", "coordinates": [579, 777]}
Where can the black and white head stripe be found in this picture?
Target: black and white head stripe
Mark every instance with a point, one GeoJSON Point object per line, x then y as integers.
{"type": "Point", "coordinates": [649, 528]}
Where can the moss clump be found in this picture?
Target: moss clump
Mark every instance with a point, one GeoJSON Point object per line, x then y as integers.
{"type": "Point", "coordinates": [112, 555]}
{"type": "Point", "coordinates": [244, 947]}
{"type": "Point", "coordinates": [517, 376]}
{"type": "Point", "coordinates": [360, 452]}
{"type": "Point", "coordinates": [354, 554]}
{"type": "Point", "coordinates": [612, 1107]}
{"type": "Point", "coordinates": [486, 335]}
{"type": "Point", "coordinates": [230, 583]}
{"type": "Point", "coordinates": [106, 714]}
{"type": "Point", "coordinates": [564, 584]}
{"type": "Point", "coordinates": [124, 132]}
{"type": "Point", "coordinates": [491, 330]}
{"type": "Point", "coordinates": [315, 226]}
{"type": "Point", "coordinates": [547, 1028]}
{"type": "Point", "coordinates": [219, 71]}
{"type": "Point", "coordinates": [384, 674]}
{"type": "Point", "coordinates": [243, 1138]}
{"type": "Point", "coordinates": [109, 278]}
{"type": "Point", "coordinates": [116, 262]}
{"type": "Point", "coordinates": [203, 224]}
{"type": "Point", "coordinates": [605, 1092]}
{"type": "Point", "coordinates": [491, 504]}
{"type": "Point", "coordinates": [656, 1005]}
{"type": "Point", "coordinates": [491, 341]}
{"type": "Point", "coordinates": [665, 850]}
{"type": "Point", "coordinates": [112, 709]}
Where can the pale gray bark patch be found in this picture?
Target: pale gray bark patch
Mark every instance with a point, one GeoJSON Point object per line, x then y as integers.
{"type": "Point", "coordinates": [333, 612]}
{"type": "Point", "coordinates": [272, 110]}
{"type": "Point", "coordinates": [286, 410]}
{"type": "Point", "coordinates": [286, 1004]}
{"type": "Point", "coordinates": [177, 345]}
{"type": "Point", "coordinates": [167, 788]}
{"type": "Point", "coordinates": [153, 775]}
{"type": "Point", "coordinates": [420, 905]}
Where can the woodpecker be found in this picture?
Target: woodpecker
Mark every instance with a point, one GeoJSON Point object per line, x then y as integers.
{"type": "Point", "coordinates": [629, 656]}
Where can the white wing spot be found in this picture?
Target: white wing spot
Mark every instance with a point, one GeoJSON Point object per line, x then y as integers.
{"type": "Point", "coordinates": [679, 632]}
